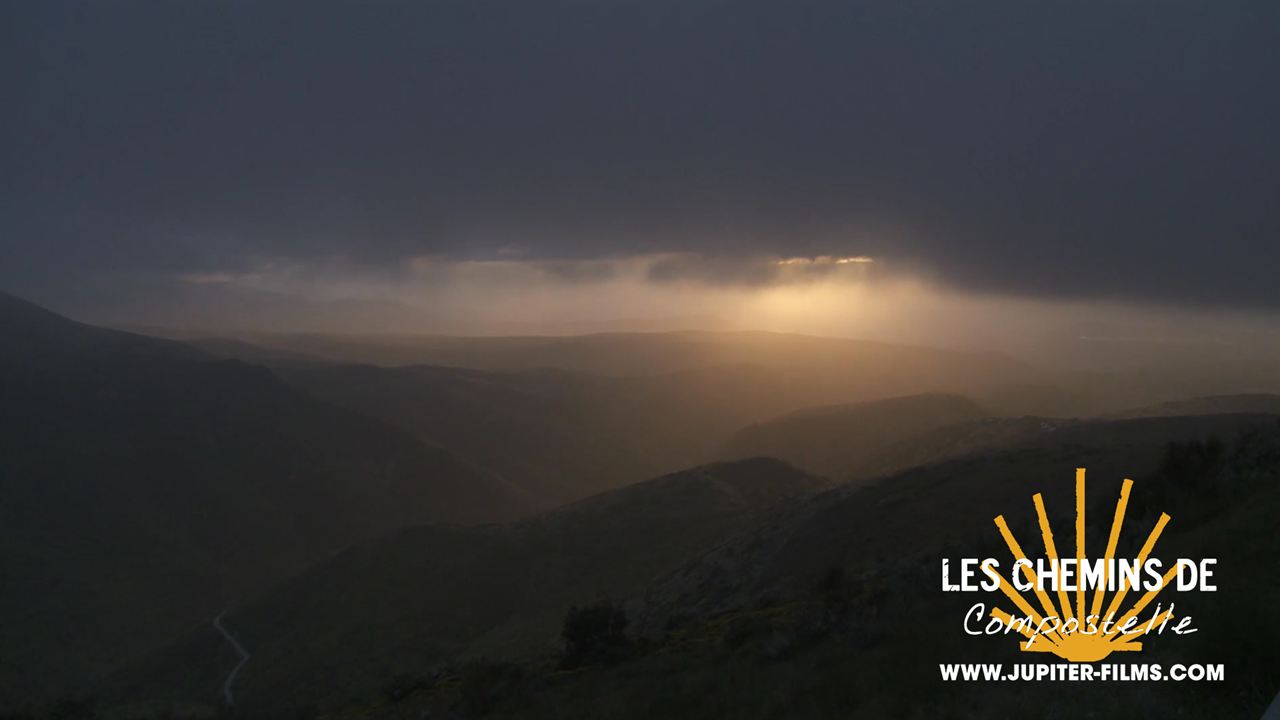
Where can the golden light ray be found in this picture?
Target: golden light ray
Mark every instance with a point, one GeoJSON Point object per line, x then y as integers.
{"type": "Point", "coordinates": [1121, 505]}
{"type": "Point", "coordinates": [1051, 552]}
{"type": "Point", "coordinates": [1051, 638]}
{"type": "Point", "coordinates": [1018, 554]}
{"type": "Point", "coordinates": [1142, 558]}
{"type": "Point", "coordinates": [1144, 601]}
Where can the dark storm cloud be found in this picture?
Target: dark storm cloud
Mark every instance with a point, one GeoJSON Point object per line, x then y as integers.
{"type": "Point", "coordinates": [1083, 149]}
{"type": "Point", "coordinates": [572, 271]}
{"type": "Point", "coordinates": [757, 271]}
{"type": "Point", "coordinates": [749, 271]}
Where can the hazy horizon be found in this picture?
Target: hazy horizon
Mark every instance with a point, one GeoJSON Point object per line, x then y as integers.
{"type": "Point", "coordinates": [1053, 332]}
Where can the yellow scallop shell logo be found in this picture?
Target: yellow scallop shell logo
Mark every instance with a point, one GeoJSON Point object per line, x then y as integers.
{"type": "Point", "coordinates": [1080, 637]}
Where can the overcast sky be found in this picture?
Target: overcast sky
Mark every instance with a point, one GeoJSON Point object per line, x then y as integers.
{"type": "Point", "coordinates": [1067, 151]}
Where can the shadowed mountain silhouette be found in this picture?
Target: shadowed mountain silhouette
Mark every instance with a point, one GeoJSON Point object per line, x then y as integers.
{"type": "Point", "coordinates": [144, 485]}
{"type": "Point", "coordinates": [891, 520]}
{"type": "Point", "coordinates": [831, 607]}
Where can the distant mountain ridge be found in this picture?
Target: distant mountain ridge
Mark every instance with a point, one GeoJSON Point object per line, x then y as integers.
{"type": "Point", "coordinates": [844, 441]}
{"type": "Point", "coordinates": [1209, 405]}
{"type": "Point", "coordinates": [633, 353]}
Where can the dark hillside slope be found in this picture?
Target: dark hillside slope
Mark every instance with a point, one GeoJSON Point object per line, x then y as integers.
{"type": "Point", "coordinates": [867, 639]}
{"type": "Point", "coordinates": [144, 485]}
{"type": "Point", "coordinates": [405, 602]}
{"type": "Point", "coordinates": [892, 520]}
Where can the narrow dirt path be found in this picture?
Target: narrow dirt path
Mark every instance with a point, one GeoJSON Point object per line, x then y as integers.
{"type": "Point", "coordinates": [244, 658]}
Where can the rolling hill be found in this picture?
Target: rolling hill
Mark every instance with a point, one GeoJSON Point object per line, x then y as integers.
{"type": "Point", "coordinates": [424, 595]}
{"type": "Point", "coordinates": [831, 606]}
{"type": "Point", "coordinates": [144, 486]}
{"type": "Point", "coordinates": [432, 601]}
{"type": "Point", "coordinates": [856, 526]}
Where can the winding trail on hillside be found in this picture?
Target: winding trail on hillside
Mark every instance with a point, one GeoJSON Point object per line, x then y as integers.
{"type": "Point", "coordinates": [244, 658]}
